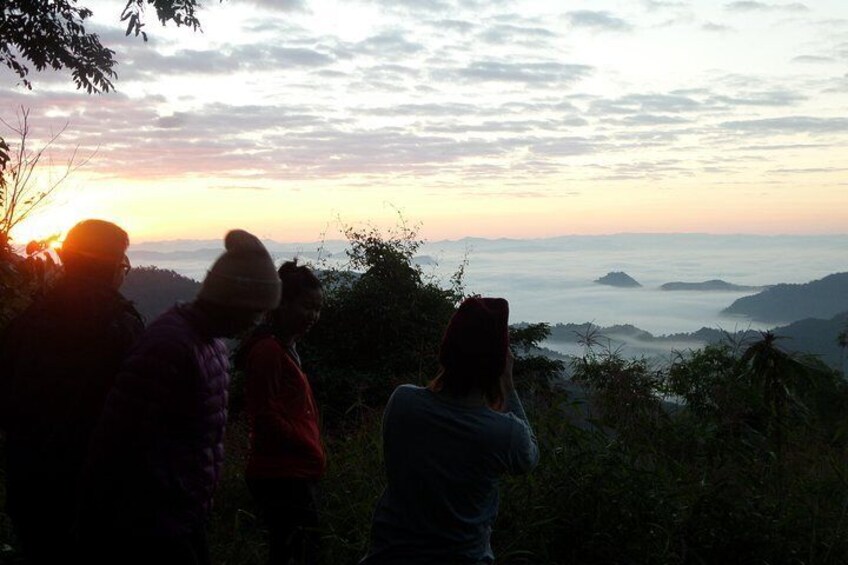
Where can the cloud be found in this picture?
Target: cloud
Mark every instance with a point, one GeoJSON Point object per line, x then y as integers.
{"type": "Point", "coordinates": [226, 60]}
{"type": "Point", "coordinates": [388, 44]}
{"type": "Point", "coordinates": [783, 147]}
{"type": "Point", "coordinates": [774, 98]}
{"type": "Point", "coordinates": [239, 144]}
{"type": "Point", "coordinates": [808, 170]}
{"type": "Point", "coordinates": [563, 146]}
{"type": "Point", "coordinates": [752, 6]}
{"type": "Point", "coordinates": [815, 59]}
{"type": "Point", "coordinates": [434, 95]}
{"type": "Point", "coordinates": [494, 126]}
{"type": "Point", "coordinates": [278, 5]}
{"type": "Point", "coordinates": [655, 5]}
{"type": "Point", "coordinates": [414, 5]}
{"type": "Point", "coordinates": [425, 109]}
{"type": "Point", "coordinates": [645, 103]}
{"type": "Point", "coordinates": [790, 125]}
{"type": "Point", "coordinates": [458, 26]}
{"type": "Point", "coordinates": [603, 21]}
{"type": "Point", "coordinates": [653, 120]}
{"type": "Point", "coordinates": [538, 73]}
{"type": "Point", "coordinates": [505, 33]}
{"type": "Point", "coordinates": [711, 26]}
{"type": "Point", "coordinates": [237, 187]}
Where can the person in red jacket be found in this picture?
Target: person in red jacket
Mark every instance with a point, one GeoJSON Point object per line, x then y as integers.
{"type": "Point", "coordinates": [286, 457]}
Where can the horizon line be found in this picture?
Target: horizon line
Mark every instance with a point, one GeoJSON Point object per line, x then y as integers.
{"type": "Point", "coordinates": [537, 238]}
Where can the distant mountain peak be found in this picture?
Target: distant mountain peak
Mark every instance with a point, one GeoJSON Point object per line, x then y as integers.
{"type": "Point", "coordinates": [619, 279]}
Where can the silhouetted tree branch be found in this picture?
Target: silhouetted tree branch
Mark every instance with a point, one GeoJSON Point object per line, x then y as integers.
{"type": "Point", "coordinates": [22, 193]}
{"type": "Point", "coordinates": [52, 34]}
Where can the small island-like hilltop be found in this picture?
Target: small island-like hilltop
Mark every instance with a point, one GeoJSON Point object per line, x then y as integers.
{"type": "Point", "coordinates": [619, 279]}
{"type": "Point", "coordinates": [714, 284]}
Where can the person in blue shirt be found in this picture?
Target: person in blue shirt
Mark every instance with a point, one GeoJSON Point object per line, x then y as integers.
{"type": "Point", "coordinates": [446, 446]}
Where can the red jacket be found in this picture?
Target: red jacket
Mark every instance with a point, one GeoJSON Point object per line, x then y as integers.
{"type": "Point", "coordinates": [285, 439]}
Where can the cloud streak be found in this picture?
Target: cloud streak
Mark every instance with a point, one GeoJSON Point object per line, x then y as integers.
{"type": "Point", "coordinates": [753, 6]}
{"type": "Point", "coordinates": [599, 21]}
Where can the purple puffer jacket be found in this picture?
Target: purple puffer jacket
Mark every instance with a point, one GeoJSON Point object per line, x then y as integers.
{"type": "Point", "coordinates": [156, 456]}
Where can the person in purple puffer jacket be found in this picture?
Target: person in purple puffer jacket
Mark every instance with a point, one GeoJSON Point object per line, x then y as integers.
{"type": "Point", "coordinates": [157, 453]}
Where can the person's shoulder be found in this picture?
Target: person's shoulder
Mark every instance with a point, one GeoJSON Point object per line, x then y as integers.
{"type": "Point", "coordinates": [265, 349]}
{"type": "Point", "coordinates": [128, 308]}
{"type": "Point", "coordinates": [409, 391]}
{"type": "Point", "coordinates": [407, 394]}
{"type": "Point", "coordinates": [170, 334]}
{"type": "Point", "coordinates": [265, 345]}
{"type": "Point", "coordinates": [128, 319]}
{"type": "Point", "coordinates": [172, 322]}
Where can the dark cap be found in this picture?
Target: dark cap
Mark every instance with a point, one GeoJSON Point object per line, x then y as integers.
{"type": "Point", "coordinates": [477, 338]}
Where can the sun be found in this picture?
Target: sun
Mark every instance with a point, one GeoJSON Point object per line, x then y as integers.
{"type": "Point", "coordinates": [49, 223]}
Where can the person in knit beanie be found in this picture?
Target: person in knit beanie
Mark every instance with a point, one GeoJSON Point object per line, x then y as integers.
{"type": "Point", "coordinates": [446, 445]}
{"type": "Point", "coordinates": [156, 456]}
{"type": "Point", "coordinates": [243, 277]}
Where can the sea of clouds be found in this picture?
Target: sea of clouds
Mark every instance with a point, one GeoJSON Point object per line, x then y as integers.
{"type": "Point", "coordinates": [551, 280]}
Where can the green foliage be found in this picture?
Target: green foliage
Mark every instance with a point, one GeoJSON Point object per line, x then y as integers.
{"type": "Point", "coordinates": [737, 473]}
{"type": "Point", "coordinates": [533, 371]}
{"type": "Point", "coordinates": [623, 391]}
{"type": "Point", "coordinates": [706, 381]}
{"type": "Point", "coordinates": [154, 290]}
{"type": "Point", "coordinates": [735, 453]}
{"type": "Point", "coordinates": [53, 35]}
{"type": "Point", "coordinates": [24, 277]}
{"type": "Point", "coordinates": [4, 161]}
{"type": "Point", "coordinates": [684, 491]}
{"type": "Point", "coordinates": [381, 324]}
{"type": "Point", "coordinates": [181, 12]}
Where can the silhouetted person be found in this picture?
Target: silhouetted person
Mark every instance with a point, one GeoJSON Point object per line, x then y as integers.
{"type": "Point", "coordinates": [156, 456]}
{"type": "Point", "coordinates": [446, 446]}
{"type": "Point", "coordinates": [286, 457]}
{"type": "Point", "coordinates": [58, 361]}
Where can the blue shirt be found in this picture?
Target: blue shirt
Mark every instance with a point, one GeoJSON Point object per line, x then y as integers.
{"type": "Point", "coordinates": [443, 459]}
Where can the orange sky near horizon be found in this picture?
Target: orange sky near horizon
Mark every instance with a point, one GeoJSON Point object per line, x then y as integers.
{"type": "Point", "coordinates": [313, 214]}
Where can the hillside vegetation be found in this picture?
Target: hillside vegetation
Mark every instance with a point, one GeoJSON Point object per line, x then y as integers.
{"type": "Point", "coordinates": [734, 453]}
{"type": "Point", "coordinates": [823, 298]}
{"type": "Point", "coordinates": [154, 290]}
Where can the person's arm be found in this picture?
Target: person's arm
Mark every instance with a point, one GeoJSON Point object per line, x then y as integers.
{"type": "Point", "coordinates": [523, 454]}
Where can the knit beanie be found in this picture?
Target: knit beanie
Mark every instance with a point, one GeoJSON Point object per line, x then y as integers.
{"type": "Point", "coordinates": [477, 338]}
{"type": "Point", "coordinates": [244, 276]}
{"type": "Point", "coordinates": [96, 240]}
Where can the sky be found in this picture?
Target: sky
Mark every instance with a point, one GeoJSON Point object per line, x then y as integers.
{"type": "Point", "coordinates": [473, 118]}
